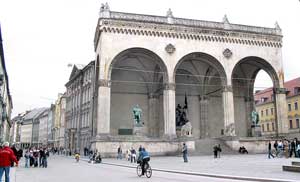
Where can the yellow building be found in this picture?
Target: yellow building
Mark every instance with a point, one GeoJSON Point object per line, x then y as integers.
{"type": "Point", "coordinates": [264, 102]}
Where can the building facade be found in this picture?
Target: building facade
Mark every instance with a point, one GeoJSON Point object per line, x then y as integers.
{"type": "Point", "coordinates": [264, 102]}
{"type": "Point", "coordinates": [15, 130]}
{"type": "Point", "coordinates": [51, 121]}
{"type": "Point", "coordinates": [61, 138]}
{"type": "Point", "coordinates": [5, 98]}
{"type": "Point", "coordinates": [79, 107]}
{"type": "Point", "coordinates": [158, 62]}
{"type": "Point", "coordinates": [43, 128]}
{"type": "Point", "coordinates": [58, 129]}
{"type": "Point", "coordinates": [29, 135]}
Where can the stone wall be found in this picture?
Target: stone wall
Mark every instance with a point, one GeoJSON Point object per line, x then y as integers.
{"type": "Point", "coordinates": [154, 147]}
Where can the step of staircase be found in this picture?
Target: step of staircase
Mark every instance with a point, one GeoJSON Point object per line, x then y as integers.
{"type": "Point", "coordinates": [294, 163]}
{"type": "Point", "coordinates": [291, 168]}
{"type": "Point", "coordinates": [205, 147]}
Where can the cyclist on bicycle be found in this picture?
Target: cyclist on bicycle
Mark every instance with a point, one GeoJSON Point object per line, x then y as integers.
{"type": "Point", "coordinates": [144, 158]}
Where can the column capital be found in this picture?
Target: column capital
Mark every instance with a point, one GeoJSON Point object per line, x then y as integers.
{"type": "Point", "coordinates": [248, 99]}
{"type": "Point", "coordinates": [279, 90]}
{"type": "Point", "coordinates": [169, 86]}
{"type": "Point", "coordinates": [203, 97]}
{"type": "Point", "coordinates": [153, 96]}
{"type": "Point", "coordinates": [104, 83]}
{"type": "Point", "coordinates": [227, 88]}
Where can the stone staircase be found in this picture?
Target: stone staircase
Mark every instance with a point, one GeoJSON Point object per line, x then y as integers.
{"type": "Point", "coordinates": [295, 167]}
{"type": "Point", "coordinates": [205, 147]}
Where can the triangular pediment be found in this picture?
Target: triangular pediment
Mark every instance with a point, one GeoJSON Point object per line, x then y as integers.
{"type": "Point", "coordinates": [75, 70]}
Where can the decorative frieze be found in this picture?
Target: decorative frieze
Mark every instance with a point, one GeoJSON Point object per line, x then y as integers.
{"type": "Point", "coordinates": [114, 26]}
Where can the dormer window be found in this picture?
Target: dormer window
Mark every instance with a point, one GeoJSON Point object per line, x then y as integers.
{"type": "Point", "coordinates": [296, 90]}
{"type": "Point", "coordinates": [264, 99]}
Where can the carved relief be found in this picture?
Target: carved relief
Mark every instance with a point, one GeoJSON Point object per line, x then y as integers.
{"type": "Point", "coordinates": [170, 48]}
{"type": "Point", "coordinates": [227, 53]}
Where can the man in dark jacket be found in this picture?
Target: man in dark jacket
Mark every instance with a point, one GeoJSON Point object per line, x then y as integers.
{"type": "Point", "coordinates": [270, 150]}
{"type": "Point", "coordinates": [6, 158]}
{"type": "Point", "coordinates": [184, 152]}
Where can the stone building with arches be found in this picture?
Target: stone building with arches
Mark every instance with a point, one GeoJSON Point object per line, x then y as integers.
{"type": "Point", "coordinates": [159, 62]}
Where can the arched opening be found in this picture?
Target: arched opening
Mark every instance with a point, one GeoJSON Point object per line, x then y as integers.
{"type": "Point", "coordinates": [137, 77]}
{"type": "Point", "coordinates": [199, 79]}
{"type": "Point", "coordinates": [245, 83]}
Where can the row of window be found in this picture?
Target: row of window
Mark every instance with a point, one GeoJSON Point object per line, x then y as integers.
{"type": "Point", "coordinates": [266, 126]}
{"type": "Point", "coordinates": [295, 106]}
{"type": "Point", "coordinates": [267, 112]}
{"type": "Point", "coordinates": [291, 124]}
{"type": "Point", "coordinates": [272, 109]}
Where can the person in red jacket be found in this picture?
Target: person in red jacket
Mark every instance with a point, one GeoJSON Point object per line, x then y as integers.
{"type": "Point", "coordinates": [7, 156]}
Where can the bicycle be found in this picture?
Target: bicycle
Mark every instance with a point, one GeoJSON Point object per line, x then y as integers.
{"type": "Point", "coordinates": [148, 170]}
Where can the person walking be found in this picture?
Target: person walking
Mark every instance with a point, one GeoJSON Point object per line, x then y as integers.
{"type": "Point", "coordinates": [184, 152]}
{"type": "Point", "coordinates": [270, 150]}
{"type": "Point", "coordinates": [219, 151]}
{"type": "Point", "coordinates": [133, 155]}
{"type": "Point", "coordinates": [27, 156]}
{"type": "Point", "coordinates": [119, 153]}
{"type": "Point", "coordinates": [215, 150]}
{"type": "Point", "coordinates": [275, 145]}
{"type": "Point", "coordinates": [7, 157]}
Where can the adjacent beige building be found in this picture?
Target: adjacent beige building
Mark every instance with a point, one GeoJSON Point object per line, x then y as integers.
{"type": "Point", "coordinates": [264, 102]}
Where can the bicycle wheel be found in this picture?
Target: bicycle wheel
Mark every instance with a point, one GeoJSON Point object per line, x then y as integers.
{"type": "Point", "coordinates": [148, 172]}
{"type": "Point", "coordinates": [139, 170]}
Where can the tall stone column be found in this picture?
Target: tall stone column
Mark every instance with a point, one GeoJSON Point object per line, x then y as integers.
{"type": "Point", "coordinates": [249, 108]}
{"type": "Point", "coordinates": [103, 109]}
{"type": "Point", "coordinates": [204, 128]}
{"type": "Point", "coordinates": [228, 105]}
{"type": "Point", "coordinates": [281, 111]}
{"type": "Point", "coordinates": [169, 110]}
{"type": "Point", "coordinates": [153, 105]}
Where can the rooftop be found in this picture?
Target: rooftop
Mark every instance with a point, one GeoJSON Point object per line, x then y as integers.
{"type": "Point", "coordinates": [34, 113]}
{"type": "Point", "coordinates": [105, 13]}
{"type": "Point", "coordinates": [292, 87]}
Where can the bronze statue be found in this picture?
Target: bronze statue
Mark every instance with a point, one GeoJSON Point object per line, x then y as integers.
{"type": "Point", "coordinates": [137, 114]}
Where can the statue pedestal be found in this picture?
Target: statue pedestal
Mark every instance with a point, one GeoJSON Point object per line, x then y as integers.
{"type": "Point", "coordinates": [256, 131]}
{"type": "Point", "coordinates": [139, 130]}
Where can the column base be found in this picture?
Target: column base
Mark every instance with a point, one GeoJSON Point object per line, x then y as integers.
{"type": "Point", "coordinates": [139, 131]}
{"type": "Point", "coordinates": [256, 131]}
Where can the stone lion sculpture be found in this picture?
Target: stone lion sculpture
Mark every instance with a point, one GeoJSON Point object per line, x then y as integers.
{"type": "Point", "coordinates": [186, 129]}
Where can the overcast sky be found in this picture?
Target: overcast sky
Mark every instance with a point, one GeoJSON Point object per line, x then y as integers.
{"type": "Point", "coordinates": [41, 37]}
